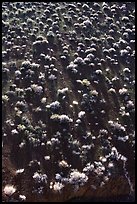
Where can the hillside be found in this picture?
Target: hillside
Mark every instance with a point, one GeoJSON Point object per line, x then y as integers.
{"type": "Point", "coordinates": [68, 101]}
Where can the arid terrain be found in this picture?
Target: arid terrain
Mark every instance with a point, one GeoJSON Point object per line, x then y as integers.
{"type": "Point", "coordinates": [68, 101]}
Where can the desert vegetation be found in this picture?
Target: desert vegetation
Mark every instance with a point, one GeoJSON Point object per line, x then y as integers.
{"type": "Point", "coordinates": [68, 101]}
